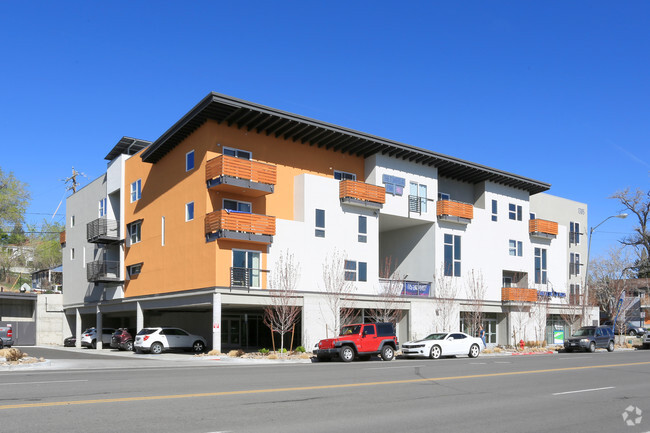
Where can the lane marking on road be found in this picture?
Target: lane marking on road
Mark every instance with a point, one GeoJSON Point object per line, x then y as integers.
{"type": "Point", "coordinates": [583, 390]}
{"type": "Point", "coordinates": [310, 388]}
{"type": "Point", "coordinates": [502, 362]}
{"type": "Point", "coordinates": [575, 357]}
{"type": "Point", "coordinates": [44, 382]}
{"type": "Point", "coordinates": [393, 368]}
{"type": "Point", "coordinates": [478, 363]}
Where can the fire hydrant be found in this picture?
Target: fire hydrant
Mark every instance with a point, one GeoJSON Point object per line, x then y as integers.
{"type": "Point", "coordinates": [521, 344]}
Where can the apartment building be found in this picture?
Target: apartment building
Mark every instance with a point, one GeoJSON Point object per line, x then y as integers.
{"type": "Point", "coordinates": [188, 229]}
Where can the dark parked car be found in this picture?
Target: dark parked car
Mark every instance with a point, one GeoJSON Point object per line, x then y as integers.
{"type": "Point", "coordinates": [122, 339]}
{"type": "Point", "coordinates": [70, 342]}
{"type": "Point", "coordinates": [630, 328]}
{"type": "Point", "coordinates": [589, 338]}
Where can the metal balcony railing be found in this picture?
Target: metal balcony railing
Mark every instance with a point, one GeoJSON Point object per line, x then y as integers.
{"type": "Point", "coordinates": [103, 271]}
{"type": "Point", "coordinates": [102, 230]}
{"type": "Point", "coordinates": [246, 277]}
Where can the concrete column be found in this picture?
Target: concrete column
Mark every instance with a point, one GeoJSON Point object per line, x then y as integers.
{"type": "Point", "coordinates": [139, 317]}
{"type": "Point", "coordinates": [216, 321]}
{"type": "Point", "coordinates": [77, 327]}
{"type": "Point", "coordinates": [99, 326]}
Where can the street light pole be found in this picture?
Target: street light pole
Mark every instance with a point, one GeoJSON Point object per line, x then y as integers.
{"type": "Point", "coordinates": [586, 285]}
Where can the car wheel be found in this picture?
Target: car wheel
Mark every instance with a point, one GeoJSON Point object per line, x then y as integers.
{"type": "Point", "coordinates": [474, 351]}
{"type": "Point", "coordinates": [387, 353]}
{"type": "Point", "coordinates": [198, 346]}
{"type": "Point", "coordinates": [632, 333]}
{"type": "Point", "coordinates": [610, 346]}
{"type": "Point", "coordinates": [592, 347]}
{"type": "Point", "coordinates": [365, 358]}
{"type": "Point", "coordinates": [435, 352]}
{"type": "Point", "coordinates": [94, 344]}
{"type": "Point", "coordinates": [346, 353]}
{"type": "Point", "coordinates": [156, 348]}
{"type": "Point", "coordinates": [129, 346]}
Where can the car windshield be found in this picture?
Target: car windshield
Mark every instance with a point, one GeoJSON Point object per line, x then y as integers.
{"type": "Point", "coordinates": [351, 329]}
{"type": "Point", "coordinates": [435, 337]}
{"type": "Point", "coordinates": [583, 332]}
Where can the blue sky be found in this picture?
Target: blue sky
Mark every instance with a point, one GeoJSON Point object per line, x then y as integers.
{"type": "Point", "coordinates": [556, 91]}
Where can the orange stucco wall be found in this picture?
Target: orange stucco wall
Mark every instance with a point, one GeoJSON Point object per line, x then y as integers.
{"type": "Point", "coordinates": [187, 261]}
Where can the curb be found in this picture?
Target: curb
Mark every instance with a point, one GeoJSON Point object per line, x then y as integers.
{"type": "Point", "coordinates": [548, 352]}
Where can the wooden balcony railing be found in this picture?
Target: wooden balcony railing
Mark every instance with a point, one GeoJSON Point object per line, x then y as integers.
{"type": "Point", "coordinates": [518, 294]}
{"type": "Point", "coordinates": [542, 226]}
{"type": "Point", "coordinates": [362, 191]}
{"type": "Point", "coordinates": [455, 209]}
{"type": "Point", "coordinates": [224, 165]}
{"type": "Point", "coordinates": [62, 237]}
{"type": "Point", "coordinates": [239, 222]}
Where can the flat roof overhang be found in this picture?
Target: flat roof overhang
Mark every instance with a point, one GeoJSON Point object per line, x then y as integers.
{"type": "Point", "coordinates": [289, 126]}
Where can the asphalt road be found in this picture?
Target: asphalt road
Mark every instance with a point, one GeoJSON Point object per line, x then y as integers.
{"type": "Point", "coordinates": [577, 392]}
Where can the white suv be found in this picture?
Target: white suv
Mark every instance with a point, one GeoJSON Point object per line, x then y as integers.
{"type": "Point", "coordinates": [156, 340]}
{"type": "Point", "coordinates": [89, 337]}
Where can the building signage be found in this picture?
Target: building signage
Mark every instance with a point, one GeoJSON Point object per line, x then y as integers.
{"type": "Point", "coordinates": [414, 288]}
{"type": "Point", "coordinates": [551, 294]}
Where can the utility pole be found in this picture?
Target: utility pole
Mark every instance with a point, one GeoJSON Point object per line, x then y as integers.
{"type": "Point", "coordinates": [73, 180]}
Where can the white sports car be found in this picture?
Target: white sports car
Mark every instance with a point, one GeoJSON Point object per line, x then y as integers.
{"type": "Point", "coordinates": [444, 344]}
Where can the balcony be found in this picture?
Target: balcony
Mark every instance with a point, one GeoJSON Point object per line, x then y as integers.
{"type": "Point", "coordinates": [454, 211]}
{"type": "Point", "coordinates": [62, 238]}
{"type": "Point", "coordinates": [542, 229]}
{"type": "Point", "coordinates": [362, 194]}
{"type": "Point", "coordinates": [239, 226]}
{"type": "Point", "coordinates": [103, 271]}
{"type": "Point", "coordinates": [102, 231]}
{"type": "Point", "coordinates": [518, 294]}
{"type": "Point", "coordinates": [240, 176]}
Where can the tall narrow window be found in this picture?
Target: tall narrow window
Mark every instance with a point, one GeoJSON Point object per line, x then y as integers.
{"type": "Point", "coordinates": [363, 271]}
{"type": "Point", "coordinates": [102, 207]}
{"type": "Point", "coordinates": [136, 190]}
{"type": "Point", "coordinates": [189, 160]}
{"type": "Point", "coordinates": [189, 211]}
{"type": "Point", "coordinates": [574, 264]}
{"type": "Point", "coordinates": [363, 229]}
{"type": "Point", "coordinates": [494, 210]}
{"type": "Point", "coordinates": [418, 198]}
{"type": "Point", "coordinates": [162, 231]}
{"type": "Point", "coordinates": [574, 233]}
{"type": "Point", "coordinates": [350, 270]}
{"type": "Point", "coordinates": [452, 255]}
{"type": "Point", "coordinates": [245, 269]}
{"type": "Point", "coordinates": [71, 221]}
{"type": "Point", "coordinates": [135, 232]}
{"type": "Point", "coordinates": [515, 212]}
{"type": "Point", "coordinates": [540, 266]}
{"type": "Point", "coordinates": [320, 223]}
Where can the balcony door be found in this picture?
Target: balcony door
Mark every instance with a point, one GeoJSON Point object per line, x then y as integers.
{"type": "Point", "coordinates": [246, 268]}
{"type": "Point", "coordinates": [239, 206]}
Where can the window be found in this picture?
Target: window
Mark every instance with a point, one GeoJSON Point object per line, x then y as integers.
{"type": "Point", "coordinates": [189, 211]}
{"type": "Point", "coordinates": [354, 272]}
{"type": "Point", "coordinates": [71, 221]}
{"type": "Point", "coordinates": [494, 210]}
{"type": "Point", "coordinates": [515, 248]}
{"type": "Point", "coordinates": [71, 253]}
{"type": "Point", "coordinates": [134, 270]}
{"type": "Point", "coordinates": [574, 294]}
{"type": "Point", "coordinates": [452, 255]}
{"type": "Point", "coordinates": [514, 212]}
{"type": "Point", "coordinates": [532, 216]}
{"type": "Point", "coordinates": [574, 264]}
{"type": "Point", "coordinates": [102, 207]}
{"type": "Point", "coordinates": [320, 223]}
{"type": "Point", "coordinates": [341, 175]}
{"type": "Point", "coordinates": [136, 190]}
{"type": "Point", "coordinates": [363, 229]}
{"type": "Point", "coordinates": [237, 206]}
{"type": "Point", "coordinates": [189, 160]}
{"type": "Point", "coordinates": [242, 154]}
{"type": "Point", "coordinates": [418, 198]}
{"type": "Point", "coordinates": [507, 281]}
{"type": "Point", "coordinates": [394, 185]}
{"type": "Point", "coordinates": [246, 268]}
{"type": "Point", "coordinates": [162, 231]}
{"type": "Point", "coordinates": [540, 266]}
{"type": "Point", "coordinates": [443, 196]}
{"type": "Point", "coordinates": [574, 233]}
{"type": "Point", "coordinates": [135, 234]}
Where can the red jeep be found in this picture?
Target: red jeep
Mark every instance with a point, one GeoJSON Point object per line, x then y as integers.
{"type": "Point", "coordinates": [362, 340]}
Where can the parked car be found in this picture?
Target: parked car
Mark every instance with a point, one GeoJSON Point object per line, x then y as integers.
{"type": "Point", "coordinates": [89, 337]}
{"type": "Point", "coordinates": [156, 340]}
{"type": "Point", "coordinates": [70, 341]}
{"type": "Point", "coordinates": [122, 339]}
{"type": "Point", "coordinates": [361, 340]}
{"type": "Point", "coordinates": [6, 336]}
{"type": "Point", "coordinates": [630, 328]}
{"type": "Point", "coordinates": [646, 340]}
{"type": "Point", "coordinates": [590, 338]}
{"type": "Point", "coordinates": [444, 344]}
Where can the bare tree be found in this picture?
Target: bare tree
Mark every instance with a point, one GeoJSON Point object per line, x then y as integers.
{"type": "Point", "coordinates": [338, 291]}
{"type": "Point", "coordinates": [607, 278]}
{"type": "Point", "coordinates": [571, 310]}
{"type": "Point", "coordinates": [541, 316]}
{"type": "Point", "coordinates": [638, 203]}
{"type": "Point", "coordinates": [446, 293]}
{"type": "Point", "coordinates": [475, 291]}
{"type": "Point", "coordinates": [283, 312]}
{"type": "Point", "coordinates": [389, 304]}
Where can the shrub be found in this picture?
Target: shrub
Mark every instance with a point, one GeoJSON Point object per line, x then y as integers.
{"type": "Point", "coordinates": [264, 351]}
{"type": "Point", "coordinates": [283, 350]}
{"type": "Point", "coordinates": [300, 349]}
{"type": "Point", "coordinates": [214, 352]}
{"type": "Point", "coordinates": [11, 354]}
